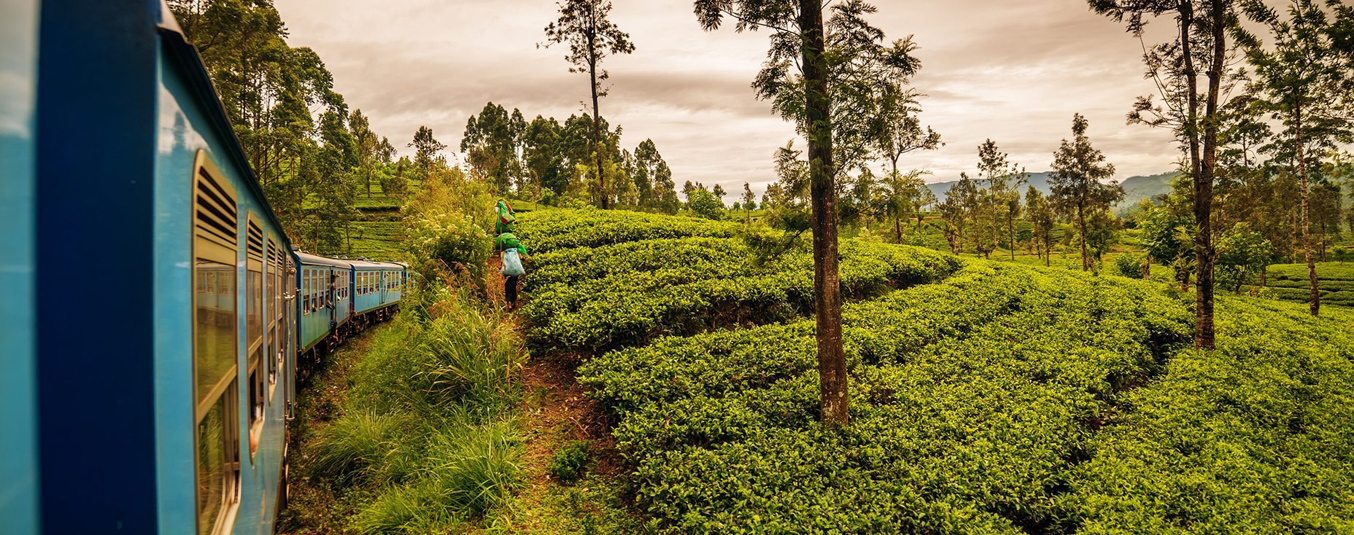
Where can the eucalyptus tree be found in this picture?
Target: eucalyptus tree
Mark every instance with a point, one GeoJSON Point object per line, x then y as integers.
{"type": "Point", "coordinates": [587, 28]}
{"type": "Point", "coordinates": [427, 151]}
{"type": "Point", "coordinates": [491, 144]}
{"type": "Point", "coordinates": [902, 197]}
{"type": "Point", "coordinates": [1004, 179]}
{"type": "Point", "coordinates": [749, 202]}
{"type": "Point", "coordinates": [1302, 79]}
{"type": "Point", "coordinates": [543, 156]}
{"type": "Point", "coordinates": [1200, 38]}
{"type": "Point", "coordinates": [1042, 221]}
{"type": "Point", "coordinates": [816, 77]}
{"type": "Point", "coordinates": [1078, 190]}
{"type": "Point", "coordinates": [895, 130]}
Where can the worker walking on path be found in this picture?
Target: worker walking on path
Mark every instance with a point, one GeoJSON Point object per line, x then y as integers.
{"type": "Point", "coordinates": [511, 251]}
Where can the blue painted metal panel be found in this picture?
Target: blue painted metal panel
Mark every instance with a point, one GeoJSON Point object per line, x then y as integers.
{"type": "Point", "coordinates": [18, 367]}
{"type": "Point", "coordinates": [96, 145]}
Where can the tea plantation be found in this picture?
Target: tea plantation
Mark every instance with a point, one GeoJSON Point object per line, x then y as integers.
{"type": "Point", "coordinates": [986, 397]}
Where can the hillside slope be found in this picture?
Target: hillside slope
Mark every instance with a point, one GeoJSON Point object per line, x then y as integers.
{"type": "Point", "coordinates": [986, 397]}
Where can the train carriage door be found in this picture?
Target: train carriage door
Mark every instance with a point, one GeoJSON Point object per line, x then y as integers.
{"type": "Point", "coordinates": [215, 374]}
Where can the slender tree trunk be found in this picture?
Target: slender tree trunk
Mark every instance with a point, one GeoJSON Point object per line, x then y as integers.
{"type": "Point", "coordinates": [1203, 184]}
{"type": "Point", "coordinates": [1305, 223]}
{"type": "Point", "coordinates": [827, 302]}
{"type": "Point", "coordinates": [1010, 226]}
{"type": "Point", "coordinates": [898, 228]}
{"type": "Point", "coordinates": [1081, 225]}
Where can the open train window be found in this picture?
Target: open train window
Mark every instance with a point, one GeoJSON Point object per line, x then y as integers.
{"type": "Point", "coordinates": [254, 256]}
{"type": "Point", "coordinates": [271, 313]}
{"type": "Point", "coordinates": [215, 377]}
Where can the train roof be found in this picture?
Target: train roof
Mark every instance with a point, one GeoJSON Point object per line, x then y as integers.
{"type": "Point", "coordinates": [200, 82]}
{"type": "Point", "coordinates": [360, 264]}
{"type": "Point", "coordinates": [314, 260]}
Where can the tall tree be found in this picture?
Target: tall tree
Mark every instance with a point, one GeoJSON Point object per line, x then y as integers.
{"type": "Point", "coordinates": [814, 77]}
{"type": "Point", "coordinates": [1042, 220]}
{"type": "Point", "coordinates": [544, 156]}
{"type": "Point", "coordinates": [902, 196]}
{"type": "Point", "coordinates": [1004, 179]}
{"type": "Point", "coordinates": [1077, 183]}
{"type": "Point", "coordinates": [490, 145]}
{"type": "Point", "coordinates": [585, 25]}
{"type": "Point", "coordinates": [749, 201]}
{"type": "Point", "coordinates": [1302, 78]}
{"type": "Point", "coordinates": [1200, 36]}
{"type": "Point", "coordinates": [807, 82]}
{"type": "Point", "coordinates": [427, 151]}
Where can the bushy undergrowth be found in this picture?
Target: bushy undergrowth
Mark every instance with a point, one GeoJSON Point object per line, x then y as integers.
{"type": "Point", "coordinates": [592, 299]}
{"type": "Point", "coordinates": [426, 435]}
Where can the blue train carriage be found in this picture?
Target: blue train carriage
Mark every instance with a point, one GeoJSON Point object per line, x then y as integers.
{"type": "Point", "coordinates": [123, 181]}
{"type": "Point", "coordinates": [324, 303]}
{"type": "Point", "coordinates": [19, 512]}
{"type": "Point", "coordinates": [377, 289]}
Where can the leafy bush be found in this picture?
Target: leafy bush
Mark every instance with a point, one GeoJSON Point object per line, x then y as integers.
{"type": "Point", "coordinates": [570, 461]}
{"type": "Point", "coordinates": [1129, 265]}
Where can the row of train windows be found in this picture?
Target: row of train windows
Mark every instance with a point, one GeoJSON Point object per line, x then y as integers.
{"type": "Point", "coordinates": [320, 288]}
{"type": "Point", "coordinates": [217, 341]}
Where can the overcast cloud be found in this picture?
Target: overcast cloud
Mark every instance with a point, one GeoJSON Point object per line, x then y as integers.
{"type": "Point", "coordinates": [1011, 70]}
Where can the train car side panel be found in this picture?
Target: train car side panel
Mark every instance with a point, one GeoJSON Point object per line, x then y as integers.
{"type": "Point", "coordinates": [18, 368]}
{"type": "Point", "coordinates": [221, 422]}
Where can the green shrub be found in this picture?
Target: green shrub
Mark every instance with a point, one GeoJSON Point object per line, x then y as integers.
{"type": "Point", "coordinates": [1129, 265]}
{"type": "Point", "coordinates": [571, 461]}
{"type": "Point", "coordinates": [355, 445]}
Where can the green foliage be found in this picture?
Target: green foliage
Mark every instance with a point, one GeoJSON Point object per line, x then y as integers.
{"type": "Point", "coordinates": [425, 440]}
{"type": "Point", "coordinates": [546, 231]}
{"type": "Point", "coordinates": [973, 396]}
{"type": "Point", "coordinates": [705, 204]}
{"type": "Point", "coordinates": [1129, 265]}
{"type": "Point", "coordinates": [571, 461]}
{"type": "Point", "coordinates": [1251, 437]}
{"type": "Point", "coordinates": [587, 299]}
{"type": "Point", "coordinates": [1289, 282]}
{"type": "Point", "coordinates": [1243, 255]}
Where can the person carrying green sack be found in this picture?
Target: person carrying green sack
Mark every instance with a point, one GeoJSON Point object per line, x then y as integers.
{"type": "Point", "coordinates": [506, 218]}
{"type": "Point", "coordinates": [511, 250]}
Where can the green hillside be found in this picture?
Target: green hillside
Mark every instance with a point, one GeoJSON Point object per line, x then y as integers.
{"type": "Point", "coordinates": [986, 397]}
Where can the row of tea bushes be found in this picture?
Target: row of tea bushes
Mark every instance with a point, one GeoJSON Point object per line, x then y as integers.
{"type": "Point", "coordinates": [551, 230]}
{"type": "Point", "coordinates": [973, 399]}
{"type": "Point", "coordinates": [1254, 437]}
{"type": "Point", "coordinates": [593, 299]}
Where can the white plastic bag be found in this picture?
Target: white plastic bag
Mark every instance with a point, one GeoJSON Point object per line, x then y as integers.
{"type": "Point", "coordinates": [512, 264]}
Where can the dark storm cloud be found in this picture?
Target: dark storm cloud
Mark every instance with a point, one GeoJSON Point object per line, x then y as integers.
{"type": "Point", "coordinates": [1011, 70]}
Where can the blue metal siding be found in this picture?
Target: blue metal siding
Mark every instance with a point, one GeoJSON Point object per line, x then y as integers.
{"type": "Point", "coordinates": [18, 367]}
{"type": "Point", "coordinates": [186, 126]}
{"type": "Point", "coordinates": [96, 160]}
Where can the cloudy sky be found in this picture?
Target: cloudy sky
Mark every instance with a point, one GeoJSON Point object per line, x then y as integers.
{"type": "Point", "coordinates": [1011, 70]}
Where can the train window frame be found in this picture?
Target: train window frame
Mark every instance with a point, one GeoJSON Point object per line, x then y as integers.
{"type": "Point", "coordinates": [270, 293]}
{"type": "Point", "coordinates": [256, 349]}
{"type": "Point", "coordinates": [214, 240]}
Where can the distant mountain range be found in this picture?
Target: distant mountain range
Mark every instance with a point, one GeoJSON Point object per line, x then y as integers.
{"type": "Point", "coordinates": [1136, 188]}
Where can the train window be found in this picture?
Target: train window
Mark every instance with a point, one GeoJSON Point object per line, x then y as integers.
{"type": "Point", "coordinates": [215, 249]}
{"type": "Point", "coordinates": [254, 256]}
{"type": "Point", "coordinates": [271, 314]}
